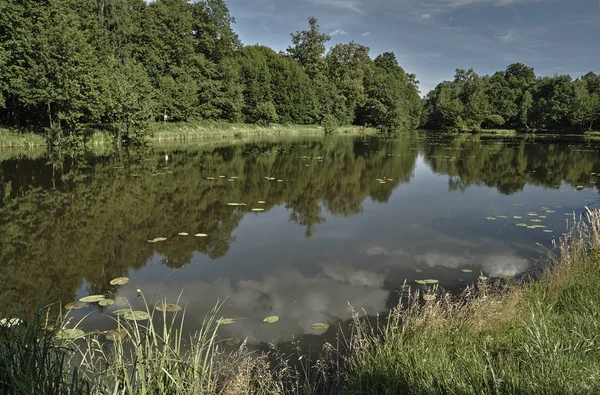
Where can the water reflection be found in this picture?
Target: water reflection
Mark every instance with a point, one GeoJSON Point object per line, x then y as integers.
{"type": "Point", "coordinates": [346, 220]}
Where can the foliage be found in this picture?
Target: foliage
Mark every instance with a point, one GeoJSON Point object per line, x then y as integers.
{"type": "Point", "coordinates": [69, 67]}
{"type": "Point", "coordinates": [514, 98]}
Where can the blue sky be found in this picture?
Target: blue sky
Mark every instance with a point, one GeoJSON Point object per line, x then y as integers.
{"type": "Point", "coordinates": [434, 37]}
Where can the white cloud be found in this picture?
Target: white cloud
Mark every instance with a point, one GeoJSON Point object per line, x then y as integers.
{"type": "Point", "coordinates": [299, 299]}
{"type": "Point", "coordinates": [350, 5]}
{"type": "Point", "coordinates": [338, 32]}
{"type": "Point", "coordinates": [508, 37]}
{"type": "Point", "coordinates": [367, 34]}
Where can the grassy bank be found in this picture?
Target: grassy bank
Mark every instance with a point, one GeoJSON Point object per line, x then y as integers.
{"type": "Point", "coordinates": [540, 337]}
{"type": "Point", "coordinates": [160, 132]}
{"type": "Point", "coordinates": [18, 139]}
{"type": "Point", "coordinates": [535, 338]}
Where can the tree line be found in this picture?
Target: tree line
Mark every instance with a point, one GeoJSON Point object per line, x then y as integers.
{"type": "Point", "coordinates": [514, 99]}
{"type": "Point", "coordinates": [69, 67]}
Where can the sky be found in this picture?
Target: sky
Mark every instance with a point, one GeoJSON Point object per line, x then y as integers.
{"type": "Point", "coordinates": [432, 38]}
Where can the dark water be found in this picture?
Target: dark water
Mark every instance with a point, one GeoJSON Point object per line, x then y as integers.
{"type": "Point", "coordinates": [331, 232]}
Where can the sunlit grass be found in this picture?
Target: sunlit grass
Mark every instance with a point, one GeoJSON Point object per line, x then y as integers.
{"type": "Point", "coordinates": [10, 138]}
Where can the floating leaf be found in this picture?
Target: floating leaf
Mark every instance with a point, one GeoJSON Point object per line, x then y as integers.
{"type": "Point", "coordinates": [201, 235]}
{"type": "Point", "coordinates": [490, 218]}
{"type": "Point", "coordinates": [550, 211]}
{"type": "Point", "coordinates": [10, 322]}
{"type": "Point", "coordinates": [418, 270]}
{"type": "Point", "coordinates": [422, 282]}
{"type": "Point", "coordinates": [271, 320]}
{"type": "Point", "coordinates": [121, 312]}
{"type": "Point", "coordinates": [70, 334]}
{"type": "Point", "coordinates": [522, 225]}
{"type": "Point", "coordinates": [75, 306]}
{"type": "Point", "coordinates": [320, 327]}
{"type": "Point", "coordinates": [536, 220]}
{"type": "Point", "coordinates": [547, 231]}
{"type": "Point", "coordinates": [467, 271]}
{"type": "Point", "coordinates": [258, 209]}
{"type": "Point", "coordinates": [233, 341]}
{"type": "Point", "coordinates": [119, 281]}
{"type": "Point", "coordinates": [157, 240]}
{"type": "Point", "coordinates": [483, 278]}
{"type": "Point", "coordinates": [543, 216]}
{"type": "Point", "coordinates": [517, 217]}
{"type": "Point", "coordinates": [579, 187]}
{"type": "Point", "coordinates": [114, 335]}
{"type": "Point", "coordinates": [429, 297]}
{"type": "Point", "coordinates": [236, 204]}
{"type": "Point", "coordinates": [106, 302]}
{"type": "Point", "coordinates": [261, 202]}
{"type": "Point", "coordinates": [170, 307]}
{"type": "Point", "coordinates": [136, 315]}
{"type": "Point", "coordinates": [503, 216]}
{"type": "Point", "coordinates": [431, 281]}
{"type": "Point", "coordinates": [92, 298]}
{"type": "Point", "coordinates": [532, 214]}
{"type": "Point", "coordinates": [183, 234]}
{"type": "Point", "coordinates": [225, 321]}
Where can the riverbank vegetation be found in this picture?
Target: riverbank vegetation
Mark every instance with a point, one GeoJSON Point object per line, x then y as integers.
{"type": "Point", "coordinates": [537, 337]}
{"type": "Point", "coordinates": [70, 68]}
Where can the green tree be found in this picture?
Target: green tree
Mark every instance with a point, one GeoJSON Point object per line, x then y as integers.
{"type": "Point", "coordinates": [308, 48]}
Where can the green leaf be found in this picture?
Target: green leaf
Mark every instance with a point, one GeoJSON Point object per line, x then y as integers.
{"type": "Point", "coordinates": [271, 319]}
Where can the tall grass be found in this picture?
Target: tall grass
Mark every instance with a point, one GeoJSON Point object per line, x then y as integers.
{"type": "Point", "coordinates": [33, 362]}
{"type": "Point", "coordinates": [541, 337]}
{"type": "Point", "coordinates": [10, 138]}
{"type": "Point", "coordinates": [160, 132]}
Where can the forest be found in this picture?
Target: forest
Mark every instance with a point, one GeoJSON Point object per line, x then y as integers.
{"type": "Point", "coordinates": [70, 67]}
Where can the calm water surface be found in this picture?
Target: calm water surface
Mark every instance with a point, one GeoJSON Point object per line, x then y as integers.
{"type": "Point", "coordinates": [345, 220]}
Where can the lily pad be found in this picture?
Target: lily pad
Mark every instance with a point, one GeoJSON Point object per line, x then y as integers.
{"type": "Point", "coordinates": [422, 282]}
{"type": "Point", "coordinates": [106, 302]}
{"type": "Point", "coordinates": [547, 231]}
{"type": "Point", "coordinates": [225, 321]}
{"type": "Point", "coordinates": [271, 320]}
{"type": "Point", "coordinates": [121, 312]}
{"type": "Point", "coordinates": [258, 209]}
{"type": "Point", "coordinates": [233, 341]}
{"type": "Point", "coordinates": [467, 271]}
{"type": "Point", "coordinates": [522, 225]}
{"type": "Point", "coordinates": [261, 202]}
{"type": "Point", "coordinates": [183, 234]}
{"type": "Point", "coordinates": [114, 335]}
{"type": "Point", "coordinates": [10, 322]}
{"type": "Point", "coordinates": [119, 281]}
{"type": "Point", "coordinates": [92, 298]}
{"type": "Point", "coordinates": [169, 307]}
{"type": "Point", "coordinates": [236, 204]}
{"type": "Point", "coordinates": [536, 220]}
{"type": "Point", "coordinates": [550, 211]}
{"type": "Point", "coordinates": [201, 235]}
{"type": "Point", "coordinates": [431, 281]}
{"type": "Point", "coordinates": [517, 217]}
{"type": "Point", "coordinates": [483, 278]}
{"type": "Point", "coordinates": [136, 315]}
{"type": "Point", "coordinates": [532, 214]}
{"type": "Point", "coordinates": [157, 240]}
{"type": "Point", "coordinates": [503, 216]}
{"type": "Point", "coordinates": [490, 218]}
{"type": "Point", "coordinates": [70, 334]}
{"type": "Point", "coordinates": [429, 297]}
{"type": "Point", "coordinates": [75, 306]}
{"type": "Point", "coordinates": [320, 327]}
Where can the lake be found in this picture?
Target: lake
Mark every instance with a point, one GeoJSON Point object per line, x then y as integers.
{"type": "Point", "coordinates": [318, 223]}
